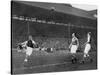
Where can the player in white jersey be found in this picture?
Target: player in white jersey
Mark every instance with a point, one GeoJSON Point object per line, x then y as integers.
{"type": "Point", "coordinates": [73, 47]}
{"type": "Point", "coordinates": [87, 45]}
{"type": "Point", "coordinates": [29, 44]}
{"type": "Point", "coordinates": [87, 48]}
{"type": "Point", "coordinates": [74, 44]}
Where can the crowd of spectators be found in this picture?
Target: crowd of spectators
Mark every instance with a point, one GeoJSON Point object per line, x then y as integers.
{"type": "Point", "coordinates": [51, 42]}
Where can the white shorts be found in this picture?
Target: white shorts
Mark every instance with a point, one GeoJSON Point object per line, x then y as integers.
{"type": "Point", "coordinates": [29, 51]}
{"type": "Point", "coordinates": [74, 48]}
{"type": "Point", "coordinates": [87, 48]}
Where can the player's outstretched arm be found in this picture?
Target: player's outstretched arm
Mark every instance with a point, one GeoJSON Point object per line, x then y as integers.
{"type": "Point", "coordinates": [23, 43]}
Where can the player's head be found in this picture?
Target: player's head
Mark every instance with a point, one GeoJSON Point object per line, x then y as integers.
{"type": "Point", "coordinates": [30, 37]}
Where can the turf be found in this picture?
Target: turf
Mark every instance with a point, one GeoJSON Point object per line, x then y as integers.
{"type": "Point", "coordinates": [41, 61]}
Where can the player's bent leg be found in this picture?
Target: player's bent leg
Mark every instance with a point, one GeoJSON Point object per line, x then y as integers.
{"type": "Point", "coordinates": [28, 53]}
{"type": "Point", "coordinates": [87, 49]}
{"type": "Point", "coordinates": [83, 59]}
{"type": "Point", "coordinates": [73, 51]}
{"type": "Point", "coordinates": [26, 58]}
{"type": "Point", "coordinates": [73, 59]}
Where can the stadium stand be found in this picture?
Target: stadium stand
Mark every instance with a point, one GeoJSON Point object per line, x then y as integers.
{"type": "Point", "coordinates": [50, 35]}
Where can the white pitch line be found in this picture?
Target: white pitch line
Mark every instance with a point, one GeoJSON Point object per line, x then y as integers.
{"type": "Point", "coordinates": [41, 66]}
